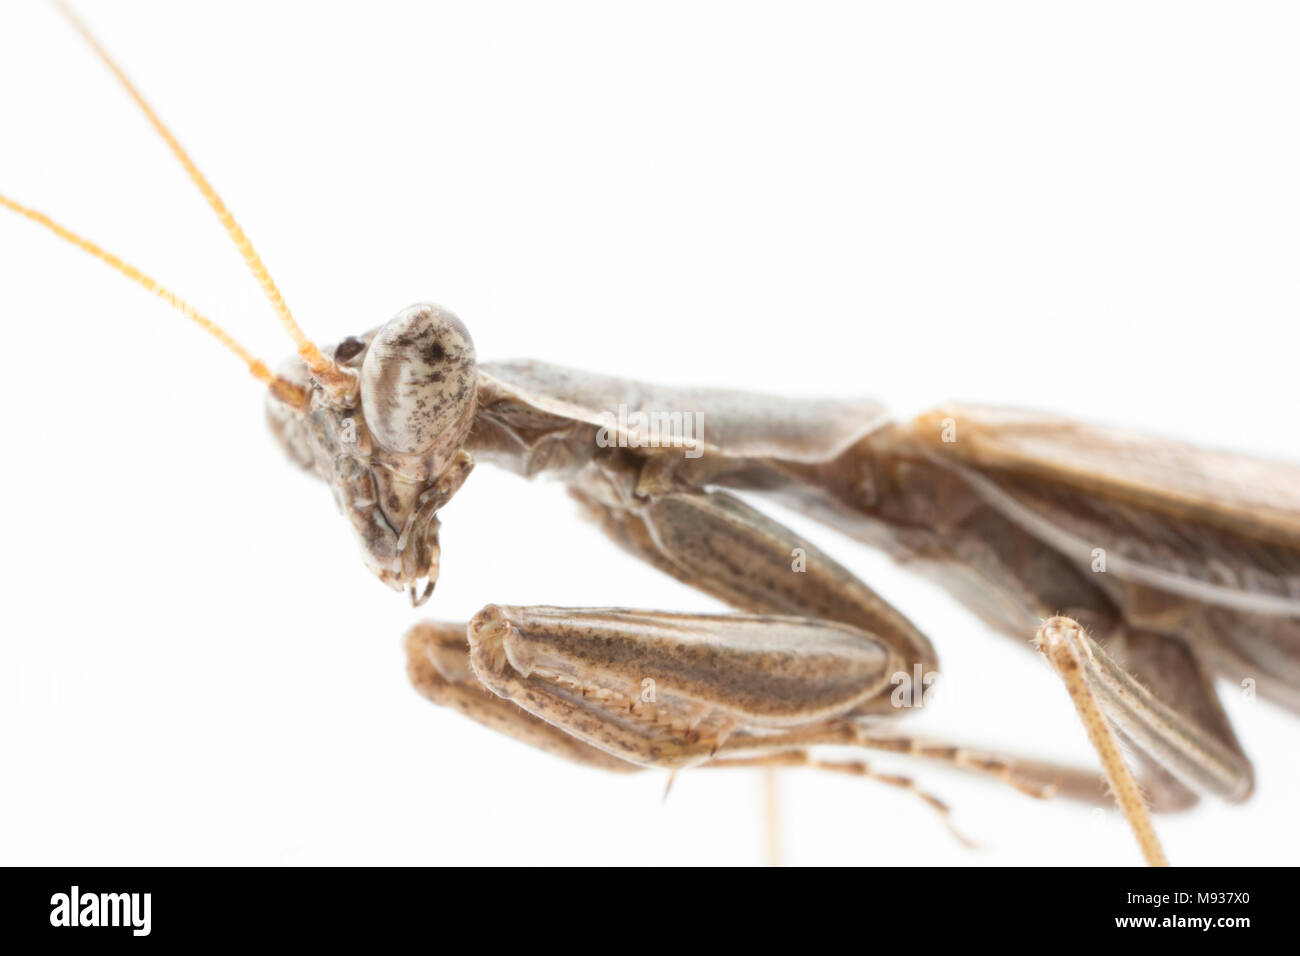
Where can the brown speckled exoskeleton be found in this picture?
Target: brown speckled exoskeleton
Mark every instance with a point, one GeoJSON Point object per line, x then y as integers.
{"type": "Point", "coordinates": [1011, 511]}
{"type": "Point", "coordinates": [1008, 509]}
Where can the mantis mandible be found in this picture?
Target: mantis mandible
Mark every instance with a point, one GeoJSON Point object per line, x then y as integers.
{"type": "Point", "coordinates": [1006, 508]}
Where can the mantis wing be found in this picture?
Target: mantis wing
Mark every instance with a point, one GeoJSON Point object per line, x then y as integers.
{"type": "Point", "coordinates": [1218, 528]}
{"type": "Point", "coordinates": [1188, 541]}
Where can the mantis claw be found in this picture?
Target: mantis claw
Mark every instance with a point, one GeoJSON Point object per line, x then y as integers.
{"type": "Point", "coordinates": [417, 599]}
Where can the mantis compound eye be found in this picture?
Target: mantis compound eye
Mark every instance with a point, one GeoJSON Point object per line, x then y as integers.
{"type": "Point", "coordinates": [418, 380]}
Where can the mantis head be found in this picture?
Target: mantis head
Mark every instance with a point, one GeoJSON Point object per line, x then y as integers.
{"type": "Point", "coordinates": [380, 418]}
{"type": "Point", "coordinates": [386, 433]}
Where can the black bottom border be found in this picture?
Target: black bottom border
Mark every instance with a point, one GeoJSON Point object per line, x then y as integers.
{"type": "Point", "coordinates": [333, 905]}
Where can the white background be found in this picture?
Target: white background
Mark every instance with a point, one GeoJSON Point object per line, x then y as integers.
{"type": "Point", "coordinates": [1092, 208]}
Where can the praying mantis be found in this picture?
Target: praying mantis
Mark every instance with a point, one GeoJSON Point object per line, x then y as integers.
{"type": "Point", "coordinates": [904, 487]}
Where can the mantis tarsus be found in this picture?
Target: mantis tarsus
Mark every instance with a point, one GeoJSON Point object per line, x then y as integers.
{"type": "Point", "coordinates": [1004, 501]}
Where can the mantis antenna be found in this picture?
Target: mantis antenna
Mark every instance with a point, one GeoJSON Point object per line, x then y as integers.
{"type": "Point", "coordinates": [325, 371]}
{"type": "Point", "coordinates": [280, 387]}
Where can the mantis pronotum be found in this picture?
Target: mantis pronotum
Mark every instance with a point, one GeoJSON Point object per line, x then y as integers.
{"type": "Point", "coordinates": [711, 414]}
